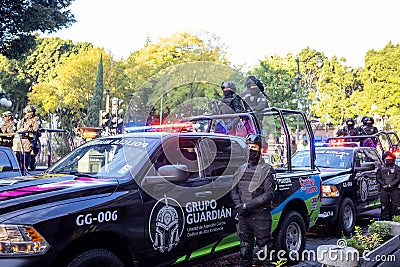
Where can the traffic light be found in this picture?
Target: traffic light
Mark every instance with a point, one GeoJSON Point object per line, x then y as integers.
{"type": "Point", "coordinates": [104, 119]}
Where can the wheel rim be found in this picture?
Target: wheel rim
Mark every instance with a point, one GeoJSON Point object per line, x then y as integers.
{"type": "Point", "coordinates": [293, 237]}
{"type": "Point", "coordinates": [348, 217]}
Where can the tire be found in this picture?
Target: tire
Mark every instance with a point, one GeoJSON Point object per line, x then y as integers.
{"type": "Point", "coordinates": [347, 217]}
{"type": "Point", "coordinates": [96, 258]}
{"type": "Point", "coordinates": [291, 236]}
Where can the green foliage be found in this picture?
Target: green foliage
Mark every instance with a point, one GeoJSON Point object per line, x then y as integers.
{"type": "Point", "coordinates": [382, 229]}
{"type": "Point", "coordinates": [396, 218]}
{"type": "Point", "coordinates": [20, 19]}
{"type": "Point", "coordinates": [363, 242]}
{"type": "Point", "coordinates": [96, 103]}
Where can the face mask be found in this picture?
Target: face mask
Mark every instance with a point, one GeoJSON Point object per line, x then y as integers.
{"type": "Point", "coordinates": [254, 91]}
{"type": "Point", "coordinates": [228, 93]}
{"type": "Point", "coordinates": [389, 162]}
{"type": "Point", "coordinates": [350, 126]}
{"type": "Point", "coordinates": [254, 156]}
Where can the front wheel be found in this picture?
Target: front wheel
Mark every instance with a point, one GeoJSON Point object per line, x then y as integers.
{"type": "Point", "coordinates": [291, 235]}
{"type": "Point", "coordinates": [347, 217]}
{"type": "Point", "coordinates": [96, 258]}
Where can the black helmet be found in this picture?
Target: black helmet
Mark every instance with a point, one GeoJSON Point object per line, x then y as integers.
{"type": "Point", "coordinates": [366, 118]}
{"type": "Point", "coordinates": [230, 85]}
{"type": "Point", "coordinates": [370, 119]}
{"type": "Point", "coordinates": [254, 139]}
{"type": "Point", "coordinates": [388, 153]}
{"type": "Point", "coordinates": [253, 80]}
{"type": "Point", "coordinates": [349, 120]}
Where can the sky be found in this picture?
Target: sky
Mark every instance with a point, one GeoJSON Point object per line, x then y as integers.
{"type": "Point", "coordinates": [250, 29]}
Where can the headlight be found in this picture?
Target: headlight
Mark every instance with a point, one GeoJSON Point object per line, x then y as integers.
{"type": "Point", "coordinates": [18, 240]}
{"type": "Point", "coordinates": [329, 191]}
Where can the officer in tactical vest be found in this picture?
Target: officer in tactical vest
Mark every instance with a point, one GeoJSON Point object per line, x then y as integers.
{"type": "Point", "coordinates": [388, 177]}
{"type": "Point", "coordinates": [8, 127]}
{"type": "Point", "coordinates": [252, 195]}
{"type": "Point", "coordinates": [28, 127]}
{"type": "Point", "coordinates": [229, 104]}
{"type": "Point", "coordinates": [367, 126]}
{"type": "Point", "coordinates": [254, 97]}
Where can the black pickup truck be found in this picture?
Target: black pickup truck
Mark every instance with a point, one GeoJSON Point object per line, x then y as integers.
{"type": "Point", "coordinates": [349, 183]}
{"type": "Point", "coordinates": [147, 199]}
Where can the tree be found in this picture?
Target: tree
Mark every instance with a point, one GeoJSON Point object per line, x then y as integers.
{"type": "Point", "coordinates": [278, 81]}
{"type": "Point", "coordinates": [185, 80]}
{"type": "Point", "coordinates": [20, 19]}
{"type": "Point", "coordinates": [71, 90]}
{"type": "Point", "coordinates": [381, 92]}
{"type": "Point", "coordinates": [96, 103]}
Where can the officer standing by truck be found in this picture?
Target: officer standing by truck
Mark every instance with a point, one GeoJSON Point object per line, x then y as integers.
{"type": "Point", "coordinates": [388, 177]}
{"type": "Point", "coordinates": [252, 195]}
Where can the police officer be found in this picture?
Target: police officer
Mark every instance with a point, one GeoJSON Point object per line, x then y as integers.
{"type": "Point", "coordinates": [229, 104]}
{"type": "Point", "coordinates": [367, 126]}
{"type": "Point", "coordinates": [29, 127]}
{"type": "Point", "coordinates": [388, 177]}
{"type": "Point", "coordinates": [252, 195]}
{"type": "Point", "coordinates": [254, 98]}
{"type": "Point", "coordinates": [8, 126]}
{"type": "Point", "coordinates": [349, 129]}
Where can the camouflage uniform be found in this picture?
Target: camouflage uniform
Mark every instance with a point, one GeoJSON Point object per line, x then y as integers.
{"type": "Point", "coordinates": [28, 127]}
{"type": "Point", "coordinates": [8, 126]}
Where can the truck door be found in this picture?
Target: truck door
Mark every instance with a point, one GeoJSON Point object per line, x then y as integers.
{"type": "Point", "coordinates": [367, 186]}
{"type": "Point", "coordinates": [179, 202]}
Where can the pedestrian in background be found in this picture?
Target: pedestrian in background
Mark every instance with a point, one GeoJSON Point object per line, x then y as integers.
{"type": "Point", "coordinates": [28, 127]}
{"type": "Point", "coordinates": [8, 127]}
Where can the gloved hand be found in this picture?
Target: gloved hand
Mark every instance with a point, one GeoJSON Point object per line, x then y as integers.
{"type": "Point", "coordinates": [241, 209]}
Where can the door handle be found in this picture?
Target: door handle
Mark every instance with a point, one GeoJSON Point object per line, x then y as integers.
{"type": "Point", "coordinates": [203, 194]}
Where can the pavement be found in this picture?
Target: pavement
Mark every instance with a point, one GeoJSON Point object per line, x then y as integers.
{"type": "Point", "coordinates": [315, 238]}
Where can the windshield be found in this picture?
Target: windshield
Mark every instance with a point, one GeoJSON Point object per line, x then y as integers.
{"type": "Point", "coordinates": [326, 158]}
{"type": "Point", "coordinates": [105, 158]}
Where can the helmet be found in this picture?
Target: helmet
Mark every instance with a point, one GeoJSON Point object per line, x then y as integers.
{"type": "Point", "coordinates": [366, 118]}
{"type": "Point", "coordinates": [253, 80]}
{"type": "Point", "coordinates": [388, 153]}
{"type": "Point", "coordinates": [254, 139]}
{"type": "Point", "coordinates": [6, 114]}
{"type": "Point", "coordinates": [230, 85]}
{"type": "Point", "coordinates": [370, 119]}
{"type": "Point", "coordinates": [349, 120]}
{"type": "Point", "coordinates": [29, 108]}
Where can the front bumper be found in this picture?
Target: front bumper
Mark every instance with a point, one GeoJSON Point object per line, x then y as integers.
{"type": "Point", "coordinates": [329, 211]}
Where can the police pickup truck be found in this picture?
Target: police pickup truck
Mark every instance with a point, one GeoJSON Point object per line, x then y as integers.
{"type": "Point", "coordinates": [148, 199]}
{"type": "Point", "coordinates": [349, 182]}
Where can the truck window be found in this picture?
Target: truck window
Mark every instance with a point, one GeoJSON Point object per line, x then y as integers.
{"type": "Point", "coordinates": [4, 160]}
{"type": "Point", "coordinates": [221, 156]}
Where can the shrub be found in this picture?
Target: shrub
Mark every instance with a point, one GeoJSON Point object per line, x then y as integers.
{"type": "Point", "coordinates": [362, 242]}
{"type": "Point", "coordinates": [396, 218]}
{"type": "Point", "coordinates": [382, 229]}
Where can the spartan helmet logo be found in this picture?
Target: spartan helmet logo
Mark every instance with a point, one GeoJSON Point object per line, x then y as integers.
{"type": "Point", "coordinates": [167, 229]}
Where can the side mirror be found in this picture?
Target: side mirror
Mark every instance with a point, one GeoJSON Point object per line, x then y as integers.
{"type": "Point", "coordinates": [174, 173]}
{"type": "Point", "coordinates": [366, 166]}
